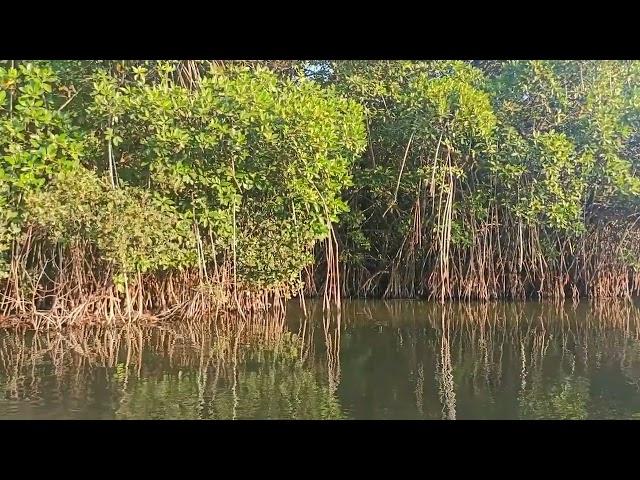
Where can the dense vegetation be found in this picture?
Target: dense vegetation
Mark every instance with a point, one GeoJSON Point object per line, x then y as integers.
{"type": "Point", "coordinates": [493, 179]}
{"type": "Point", "coordinates": [125, 191]}
{"type": "Point", "coordinates": [183, 187]}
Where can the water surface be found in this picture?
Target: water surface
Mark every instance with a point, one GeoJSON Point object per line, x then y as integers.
{"type": "Point", "coordinates": [374, 360]}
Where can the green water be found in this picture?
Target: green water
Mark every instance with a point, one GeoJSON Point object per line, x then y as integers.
{"type": "Point", "coordinates": [375, 360]}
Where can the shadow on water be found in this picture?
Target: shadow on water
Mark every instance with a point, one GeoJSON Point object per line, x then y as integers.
{"type": "Point", "coordinates": [374, 359]}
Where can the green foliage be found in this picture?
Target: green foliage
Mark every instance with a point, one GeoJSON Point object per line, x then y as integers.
{"type": "Point", "coordinates": [426, 121]}
{"type": "Point", "coordinates": [564, 144]}
{"type": "Point", "coordinates": [132, 229]}
{"type": "Point", "coordinates": [157, 176]}
{"type": "Point", "coordinates": [545, 144]}
{"type": "Point", "coordinates": [271, 154]}
{"type": "Point", "coordinates": [167, 166]}
{"type": "Point", "coordinates": [37, 141]}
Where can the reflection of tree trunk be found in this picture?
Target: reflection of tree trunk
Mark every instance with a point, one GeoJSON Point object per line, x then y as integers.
{"type": "Point", "coordinates": [485, 345]}
{"type": "Point", "coordinates": [523, 371]}
{"type": "Point", "coordinates": [306, 334]}
{"type": "Point", "coordinates": [235, 378]}
{"type": "Point", "coordinates": [332, 341]}
{"type": "Point", "coordinates": [420, 389]}
{"type": "Point", "coordinates": [445, 376]}
{"type": "Point", "coordinates": [202, 380]}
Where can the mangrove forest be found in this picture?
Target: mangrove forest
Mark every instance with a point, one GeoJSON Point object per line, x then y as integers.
{"type": "Point", "coordinates": [189, 189]}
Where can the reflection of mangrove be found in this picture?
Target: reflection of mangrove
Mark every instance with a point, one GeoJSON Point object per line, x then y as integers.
{"type": "Point", "coordinates": [228, 369]}
{"type": "Point", "coordinates": [468, 346]}
{"type": "Point", "coordinates": [331, 325]}
{"type": "Point", "coordinates": [445, 375]}
{"type": "Point", "coordinates": [546, 356]}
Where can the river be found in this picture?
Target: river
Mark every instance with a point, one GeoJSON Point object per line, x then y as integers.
{"type": "Point", "coordinates": [372, 360]}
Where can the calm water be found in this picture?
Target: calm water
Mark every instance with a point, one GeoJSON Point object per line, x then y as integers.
{"type": "Point", "coordinates": [376, 360]}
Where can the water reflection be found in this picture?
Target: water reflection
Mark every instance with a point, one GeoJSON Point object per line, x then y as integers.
{"type": "Point", "coordinates": [373, 359]}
